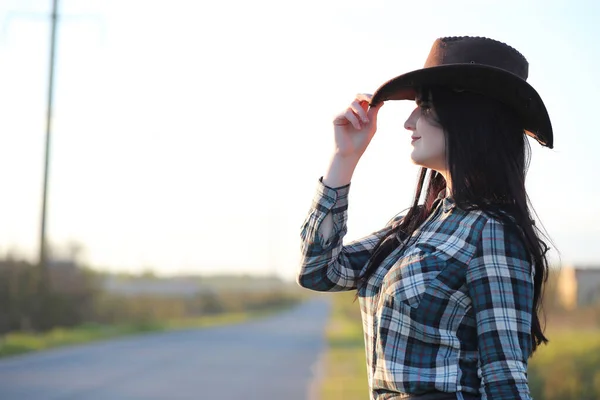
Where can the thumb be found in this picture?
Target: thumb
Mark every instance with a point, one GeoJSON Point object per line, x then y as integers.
{"type": "Point", "coordinates": [373, 111]}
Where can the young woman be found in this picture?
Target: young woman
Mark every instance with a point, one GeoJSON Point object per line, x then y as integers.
{"type": "Point", "coordinates": [450, 291]}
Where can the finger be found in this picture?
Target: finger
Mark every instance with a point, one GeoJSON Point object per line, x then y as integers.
{"type": "Point", "coordinates": [341, 120]}
{"type": "Point", "coordinates": [360, 110]}
{"type": "Point", "coordinates": [350, 116]}
{"type": "Point", "coordinates": [364, 97]}
{"type": "Point", "coordinates": [374, 110]}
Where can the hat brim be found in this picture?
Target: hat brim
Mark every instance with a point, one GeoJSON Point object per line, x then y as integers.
{"type": "Point", "coordinates": [504, 86]}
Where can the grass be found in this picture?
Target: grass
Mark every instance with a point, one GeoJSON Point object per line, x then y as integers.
{"type": "Point", "coordinates": [345, 363]}
{"type": "Point", "coordinates": [20, 342]}
{"type": "Point", "coordinates": [568, 367]}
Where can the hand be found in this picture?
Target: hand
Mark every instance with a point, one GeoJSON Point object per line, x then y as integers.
{"type": "Point", "coordinates": [355, 127]}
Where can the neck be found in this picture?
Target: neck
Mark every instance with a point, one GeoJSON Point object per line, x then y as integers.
{"type": "Point", "coordinates": [446, 175]}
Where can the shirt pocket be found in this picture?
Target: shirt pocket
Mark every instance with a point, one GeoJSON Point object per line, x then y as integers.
{"type": "Point", "coordinates": [411, 276]}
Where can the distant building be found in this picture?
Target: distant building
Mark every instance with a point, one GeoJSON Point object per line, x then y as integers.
{"type": "Point", "coordinates": [578, 286]}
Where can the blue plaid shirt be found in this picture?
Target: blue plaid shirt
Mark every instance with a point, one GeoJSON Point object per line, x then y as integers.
{"type": "Point", "coordinates": [451, 311]}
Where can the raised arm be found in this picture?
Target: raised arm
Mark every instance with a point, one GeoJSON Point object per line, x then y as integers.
{"type": "Point", "coordinates": [326, 264]}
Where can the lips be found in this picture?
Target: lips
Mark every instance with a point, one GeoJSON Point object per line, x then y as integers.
{"type": "Point", "coordinates": [415, 138]}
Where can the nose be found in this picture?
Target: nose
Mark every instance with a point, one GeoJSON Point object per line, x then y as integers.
{"type": "Point", "coordinates": [411, 122]}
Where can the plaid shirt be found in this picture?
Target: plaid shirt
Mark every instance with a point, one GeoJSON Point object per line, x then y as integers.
{"type": "Point", "coordinates": [451, 311]}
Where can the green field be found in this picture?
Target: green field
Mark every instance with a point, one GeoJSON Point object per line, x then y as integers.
{"type": "Point", "coordinates": [567, 369]}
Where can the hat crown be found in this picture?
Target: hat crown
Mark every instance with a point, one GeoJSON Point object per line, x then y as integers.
{"type": "Point", "coordinates": [477, 50]}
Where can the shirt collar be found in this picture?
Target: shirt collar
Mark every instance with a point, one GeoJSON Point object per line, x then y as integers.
{"type": "Point", "coordinates": [447, 201]}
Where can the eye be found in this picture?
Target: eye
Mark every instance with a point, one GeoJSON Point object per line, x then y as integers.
{"type": "Point", "coordinates": [428, 112]}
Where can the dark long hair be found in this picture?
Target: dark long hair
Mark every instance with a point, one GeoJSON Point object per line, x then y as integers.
{"type": "Point", "coordinates": [488, 157]}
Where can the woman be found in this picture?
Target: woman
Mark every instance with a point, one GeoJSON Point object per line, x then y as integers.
{"type": "Point", "coordinates": [449, 292]}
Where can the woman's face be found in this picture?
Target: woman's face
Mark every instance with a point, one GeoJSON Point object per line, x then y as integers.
{"type": "Point", "coordinates": [428, 141]}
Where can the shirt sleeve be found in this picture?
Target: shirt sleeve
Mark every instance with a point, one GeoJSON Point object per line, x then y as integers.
{"type": "Point", "coordinates": [500, 284]}
{"type": "Point", "coordinates": [326, 264]}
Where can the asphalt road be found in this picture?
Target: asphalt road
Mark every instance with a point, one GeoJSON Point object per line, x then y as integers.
{"type": "Point", "coordinates": [272, 358]}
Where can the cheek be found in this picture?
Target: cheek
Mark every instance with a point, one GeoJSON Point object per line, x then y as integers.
{"type": "Point", "coordinates": [439, 141]}
{"type": "Point", "coordinates": [433, 136]}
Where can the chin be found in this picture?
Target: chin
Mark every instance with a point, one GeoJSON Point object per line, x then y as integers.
{"type": "Point", "coordinates": [416, 160]}
{"type": "Point", "coordinates": [436, 162]}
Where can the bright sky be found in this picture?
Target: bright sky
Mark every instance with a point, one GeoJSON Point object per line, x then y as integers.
{"type": "Point", "coordinates": [189, 136]}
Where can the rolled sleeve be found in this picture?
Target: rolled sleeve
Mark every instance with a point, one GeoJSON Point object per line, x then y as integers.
{"type": "Point", "coordinates": [326, 264]}
{"type": "Point", "coordinates": [328, 200]}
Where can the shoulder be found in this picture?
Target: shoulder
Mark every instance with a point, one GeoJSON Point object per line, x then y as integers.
{"type": "Point", "coordinates": [487, 227]}
{"type": "Point", "coordinates": [500, 250]}
{"type": "Point", "coordinates": [504, 230]}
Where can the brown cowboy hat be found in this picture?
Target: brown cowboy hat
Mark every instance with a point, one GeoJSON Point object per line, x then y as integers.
{"type": "Point", "coordinates": [480, 65]}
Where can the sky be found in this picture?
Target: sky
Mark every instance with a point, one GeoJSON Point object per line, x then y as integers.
{"type": "Point", "coordinates": [189, 136]}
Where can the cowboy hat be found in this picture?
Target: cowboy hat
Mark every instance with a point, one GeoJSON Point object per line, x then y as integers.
{"type": "Point", "coordinates": [479, 65]}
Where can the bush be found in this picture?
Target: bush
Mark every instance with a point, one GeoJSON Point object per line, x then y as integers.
{"type": "Point", "coordinates": [65, 299]}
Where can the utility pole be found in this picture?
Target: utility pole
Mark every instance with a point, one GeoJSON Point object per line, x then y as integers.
{"type": "Point", "coordinates": [43, 257]}
{"type": "Point", "coordinates": [273, 247]}
{"type": "Point", "coordinates": [42, 286]}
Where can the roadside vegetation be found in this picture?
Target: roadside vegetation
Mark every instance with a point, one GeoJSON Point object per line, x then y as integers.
{"type": "Point", "coordinates": [41, 309]}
